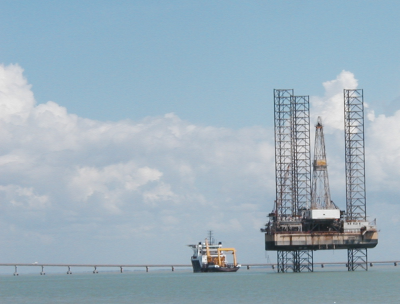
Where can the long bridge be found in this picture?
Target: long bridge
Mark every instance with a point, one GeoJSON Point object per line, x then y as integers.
{"type": "Point", "coordinates": [146, 267]}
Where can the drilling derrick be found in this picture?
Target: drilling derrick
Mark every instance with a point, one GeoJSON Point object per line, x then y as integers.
{"type": "Point", "coordinates": [321, 196]}
{"type": "Point", "coordinates": [322, 215]}
{"type": "Point", "coordinates": [304, 218]}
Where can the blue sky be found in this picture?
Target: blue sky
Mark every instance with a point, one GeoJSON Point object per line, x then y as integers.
{"type": "Point", "coordinates": [151, 122]}
{"type": "Point", "coordinates": [210, 62]}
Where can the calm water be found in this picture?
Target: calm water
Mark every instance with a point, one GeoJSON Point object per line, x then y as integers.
{"type": "Point", "coordinates": [379, 285]}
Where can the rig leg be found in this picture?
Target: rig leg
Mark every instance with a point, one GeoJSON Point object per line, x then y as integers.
{"type": "Point", "coordinates": [357, 258]}
{"type": "Point", "coordinates": [303, 261]}
{"type": "Point", "coordinates": [297, 261]}
{"type": "Point", "coordinates": [283, 261]}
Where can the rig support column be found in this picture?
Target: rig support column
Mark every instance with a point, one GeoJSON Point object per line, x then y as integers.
{"type": "Point", "coordinates": [355, 170]}
{"type": "Point", "coordinates": [303, 261]}
{"type": "Point", "coordinates": [283, 261]}
{"type": "Point", "coordinates": [296, 261]}
{"type": "Point", "coordinates": [292, 170]}
{"type": "Point", "coordinates": [283, 152]}
{"type": "Point", "coordinates": [301, 156]}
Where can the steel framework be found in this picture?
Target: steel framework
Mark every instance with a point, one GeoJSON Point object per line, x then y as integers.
{"type": "Point", "coordinates": [321, 197]}
{"type": "Point", "coordinates": [357, 258]}
{"type": "Point", "coordinates": [283, 153]}
{"type": "Point", "coordinates": [296, 261]}
{"type": "Point", "coordinates": [301, 153]}
{"type": "Point", "coordinates": [292, 170]}
{"type": "Point", "coordinates": [355, 169]}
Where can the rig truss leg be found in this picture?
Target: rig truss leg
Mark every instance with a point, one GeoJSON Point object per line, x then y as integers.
{"type": "Point", "coordinates": [297, 261]}
{"type": "Point", "coordinates": [357, 258]}
{"type": "Point", "coordinates": [283, 261]}
{"type": "Point", "coordinates": [303, 261]}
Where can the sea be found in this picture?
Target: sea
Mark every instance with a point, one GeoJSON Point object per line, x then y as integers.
{"type": "Point", "coordinates": [380, 284]}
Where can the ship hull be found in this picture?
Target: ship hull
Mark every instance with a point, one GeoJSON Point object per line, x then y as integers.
{"type": "Point", "coordinates": [196, 266]}
{"type": "Point", "coordinates": [220, 269]}
{"type": "Point", "coordinates": [204, 268]}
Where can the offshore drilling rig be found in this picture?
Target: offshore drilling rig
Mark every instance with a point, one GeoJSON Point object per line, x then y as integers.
{"type": "Point", "coordinates": [304, 218]}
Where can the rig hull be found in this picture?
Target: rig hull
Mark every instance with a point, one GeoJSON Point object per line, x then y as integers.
{"type": "Point", "coordinates": [320, 241]}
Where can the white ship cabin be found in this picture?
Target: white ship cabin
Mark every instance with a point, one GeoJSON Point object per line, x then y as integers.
{"type": "Point", "coordinates": [200, 250]}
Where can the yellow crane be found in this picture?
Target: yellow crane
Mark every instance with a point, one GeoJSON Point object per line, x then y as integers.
{"type": "Point", "coordinates": [220, 259]}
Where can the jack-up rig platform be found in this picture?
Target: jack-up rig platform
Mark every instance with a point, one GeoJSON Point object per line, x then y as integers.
{"type": "Point", "coordinates": [304, 218]}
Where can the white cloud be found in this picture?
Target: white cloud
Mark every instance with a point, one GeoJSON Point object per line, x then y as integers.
{"type": "Point", "coordinates": [381, 136]}
{"type": "Point", "coordinates": [16, 97]}
{"type": "Point", "coordinates": [159, 182]}
{"type": "Point", "coordinates": [383, 152]}
{"type": "Point", "coordinates": [25, 198]}
{"type": "Point", "coordinates": [330, 106]}
{"type": "Point", "coordinates": [86, 180]}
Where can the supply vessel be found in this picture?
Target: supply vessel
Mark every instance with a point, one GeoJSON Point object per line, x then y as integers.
{"type": "Point", "coordinates": [210, 257]}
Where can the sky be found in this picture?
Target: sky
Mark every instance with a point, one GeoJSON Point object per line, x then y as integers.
{"type": "Point", "coordinates": [128, 129]}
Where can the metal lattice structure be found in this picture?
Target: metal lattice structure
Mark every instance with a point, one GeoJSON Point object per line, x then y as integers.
{"type": "Point", "coordinates": [304, 218]}
{"type": "Point", "coordinates": [303, 261]}
{"type": "Point", "coordinates": [357, 258]}
{"type": "Point", "coordinates": [301, 153]}
{"type": "Point", "coordinates": [296, 261]}
{"type": "Point", "coordinates": [355, 169]}
{"type": "Point", "coordinates": [283, 260]}
{"type": "Point", "coordinates": [321, 197]}
{"type": "Point", "coordinates": [283, 153]}
{"type": "Point", "coordinates": [292, 170]}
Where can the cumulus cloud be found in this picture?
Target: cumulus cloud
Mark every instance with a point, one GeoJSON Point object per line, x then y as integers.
{"type": "Point", "coordinates": [84, 188]}
{"type": "Point", "coordinates": [381, 134]}
{"type": "Point", "coordinates": [330, 106]}
{"type": "Point", "coordinates": [383, 153]}
{"type": "Point", "coordinates": [80, 178]}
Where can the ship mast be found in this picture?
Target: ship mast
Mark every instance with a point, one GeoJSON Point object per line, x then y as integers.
{"type": "Point", "coordinates": [320, 193]}
{"type": "Point", "coordinates": [210, 237]}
